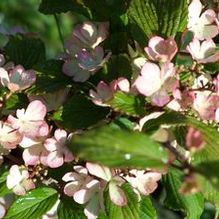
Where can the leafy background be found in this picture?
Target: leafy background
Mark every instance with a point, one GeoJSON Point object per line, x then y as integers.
{"type": "Point", "coordinates": [25, 13]}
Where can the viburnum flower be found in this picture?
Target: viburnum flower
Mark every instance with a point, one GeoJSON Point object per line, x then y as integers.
{"type": "Point", "coordinates": [104, 92]}
{"type": "Point", "coordinates": [53, 212]}
{"type": "Point", "coordinates": [117, 195]}
{"type": "Point", "coordinates": [30, 122]}
{"type": "Point", "coordinates": [203, 52]}
{"type": "Point", "coordinates": [144, 182]}
{"type": "Point", "coordinates": [194, 139]}
{"type": "Point", "coordinates": [85, 64]}
{"type": "Point", "coordinates": [206, 104]}
{"type": "Point", "coordinates": [9, 137]}
{"type": "Point", "coordinates": [2, 208]}
{"type": "Point", "coordinates": [58, 153]}
{"type": "Point", "coordinates": [156, 82]}
{"type": "Point", "coordinates": [85, 190]}
{"type": "Point", "coordinates": [203, 25]}
{"type": "Point", "coordinates": [18, 180]}
{"type": "Point", "coordinates": [160, 49]}
{"type": "Point", "coordinates": [34, 151]}
{"type": "Point", "coordinates": [17, 79]}
{"type": "Point", "coordinates": [87, 35]}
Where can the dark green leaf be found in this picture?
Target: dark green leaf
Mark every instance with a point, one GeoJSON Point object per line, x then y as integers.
{"type": "Point", "coordinates": [50, 77]}
{"type": "Point", "coordinates": [119, 148]}
{"type": "Point", "coordinates": [190, 205]}
{"type": "Point", "coordinates": [161, 17]}
{"type": "Point", "coordinates": [79, 112]}
{"type": "Point", "coordinates": [68, 209]}
{"type": "Point", "coordinates": [33, 205]}
{"type": "Point", "coordinates": [59, 6]}
{"type": "Point", "coordinates": [25, 51]}
{"type": "Point", "coordinates": [128, 104]}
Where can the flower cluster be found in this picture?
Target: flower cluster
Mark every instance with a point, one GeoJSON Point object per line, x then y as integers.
{"type": "Point", "coordinates": [83, 55]}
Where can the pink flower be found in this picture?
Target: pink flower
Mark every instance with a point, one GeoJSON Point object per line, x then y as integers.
{"type": "Point", "coordinates": [87, 35]}
{"type": "Point", "coordinates": [105, 92]}
{"type": "Point", "coordinates": [202, 25]}
{"type": "Point", "coordinates": [2, 210]}
{"type": "Point", "coordinates": [58, 153]}
{"type": "Point", "coordinates": [31, 122]}
{"type": "Point", "coordinates": [204, 52]}
{"type": "Point", "coordinates": [85, 64]}
{"type": "Point", "coordinates": [9, 137]}
{"type": "Point", "coordinates": [206, 103]}
{"type": "Point", "coordinates": [160, 49]}
{"type": "Point", "coordinates": [34, 152]}
{"type": "Point", "coordinates": [18, 180]}
{"type": "Point", "coordinates": [144, 182]}
{"type": "Point", "coordinates": [117, 195]}
{"type": "Point", "coordinates": [17, 79]}
{"type": "Point", "coordinates": [194, 139]}
{"type": "Point", "coordinates": [85, 190]}
{"type": "Point", "coordinates": [156, 82]}
{"type": "Point", "coordinates": [102, 94]}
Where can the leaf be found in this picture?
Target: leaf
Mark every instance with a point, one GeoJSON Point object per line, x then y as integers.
{"type": "Point", "coordinates": [191, 205]}
{"type": "Point", "coordinates": [119, 148]}
{"type": "Point", "coordinates": [160, 17]}
{"type": "Point", "coordinates": [62, 6]}
{"type": "Point", "coordinates": [50, 77]}
{"type": "Point", "coordinates": [68, 209]}
{"type": "Point", "coordinates": [25, 51]}
{"type": "Point", "coordinates": [128, 103]}
{"type": "Point", "coordinates": [135, 209]}
{"type": "Point", "coordinates": [34, 204]}
{"type": "Point", "coordinates": [3, 177]}
{"type": "Point", "coordinates": [79, 113]}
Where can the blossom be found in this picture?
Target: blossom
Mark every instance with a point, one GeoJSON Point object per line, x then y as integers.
{"type": "Point", "coordinates": [58, 153]}
{"type": "Point", "coordinates": [2, 209]}
{"type": "Point", "coordinates": [9, 137]}
{"type": "Point", "coordinates": [34, 151]}
{"type": "Point", "coordinates": [206, 103]}
{"type": "Point", "coordinates": [194, 138]}
{"type": "Point", "coordinates": [52, 213]}
{"type": "Point", "coordinates": [204, 52]}
{"type": "Point", "coordinates": [87, 35]}
{"type": "Point", "coordinates": [85, 63]}
{"type": "Point", "coordinates": [143, 182]}
{"type": "Point", "coordinates": [18, 180]}
{"type": "Point", "coordinates": [203, 25]}
{"type": "Point", "coordinates": [5, 203]}
{"type": "Point", "coordinates": [117, 195]}
{"type": "Point", "coordinates": [160, 49]}
{"type": "Point", "coordinates": [31, 122]}
{"type": "Point", "coordinates": [85, 190]}
{"type": "Point", "coordinates": [104, 92]}
{"type": "Point", "coordinates": [156, 82]}
{"type": "Point", "coordinates": [17, 79]}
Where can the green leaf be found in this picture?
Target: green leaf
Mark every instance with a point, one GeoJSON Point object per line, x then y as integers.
{"type": "Point", "coordinates": [133, 210]}
{"type": "Point", "coordinates": [16, 101]}
{"type": "Point", "coordinates": [59, 6]}
{"type": "Point", "coordinates": [191, 205]}
{"type": "Point", "coordinates": [3, 177]}
{"type": "Point", "coordinates": [79, 112]}
{"type": "Point", "coordinates": [50, 77]}
{"type": "Point", "coordinates": [68, 209]}
{"type": "Point", "coordinates": [119, 148]}
{"type": "Point", "coordinates": [33, 205]}
{"type": "Point", "coordinates": [160, 17]}
{"type": "Point", "coordinates": [25, 51]}
{"type": "Point", "coordinates": [128, 103]}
